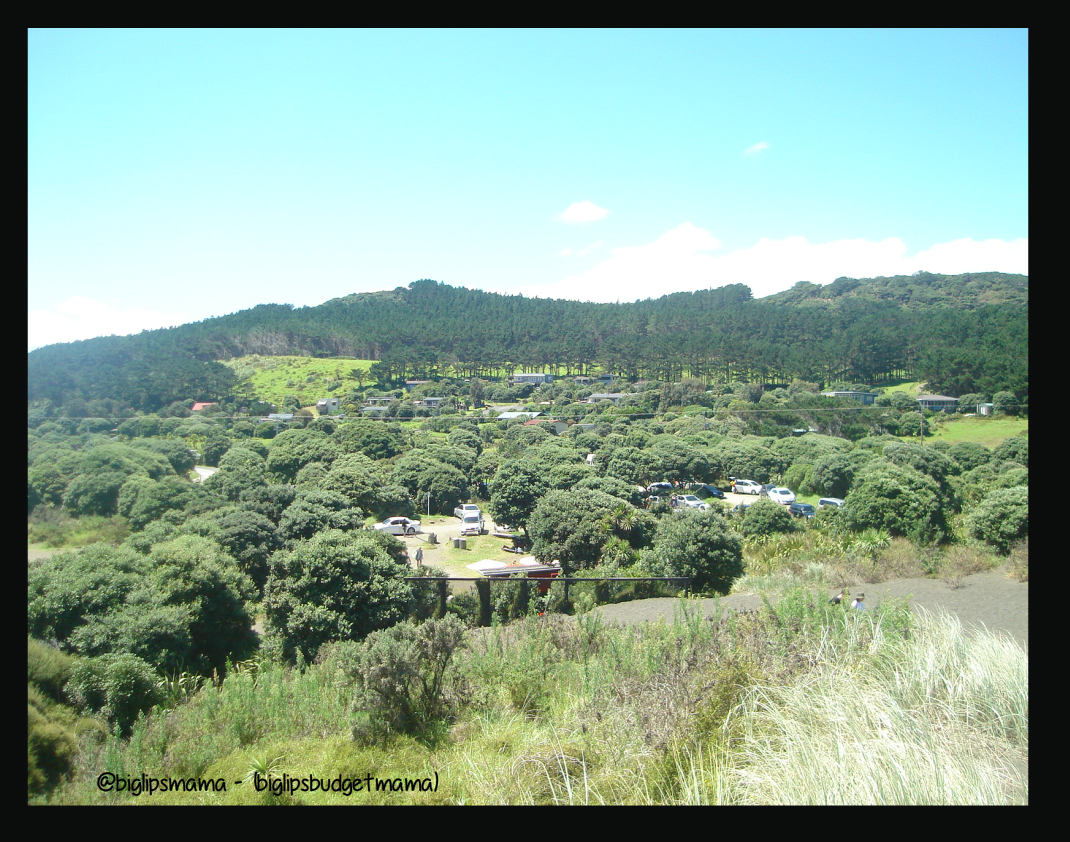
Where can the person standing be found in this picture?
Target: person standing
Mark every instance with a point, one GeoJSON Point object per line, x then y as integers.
{"type": "Point", "coordinates": [419, 556]}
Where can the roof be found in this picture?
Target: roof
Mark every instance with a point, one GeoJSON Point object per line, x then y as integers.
{"type": "Point", "coordinates": [201, 405]}
{"type": "Point", "coordinates": [508, 415]}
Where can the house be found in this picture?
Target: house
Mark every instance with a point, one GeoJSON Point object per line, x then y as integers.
{"type": "Point", "coordinates": [606, 396]}
{"type": "Point", "coordinates": [864, 398]}
{"type": "Point", "coordinates": [197, 407]}
{"type": "Point", "coordinates": [506, 416]}
{"type": "Point", "coordinates": [529, 377]}
{"type": "Point", "coordinates": [559, 426]}
{"type": "Point", "coordinates": [938, 403]}
{"type": "Point", "coordinates": [412, 384]}
{"type": "Point", "coordinates": [328, 406]}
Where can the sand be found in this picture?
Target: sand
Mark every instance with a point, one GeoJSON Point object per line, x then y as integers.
{"type": "Point", "coordinates": [990, 600]}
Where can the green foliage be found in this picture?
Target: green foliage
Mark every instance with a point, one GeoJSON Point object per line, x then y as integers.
{"type": "Point", "coordinates": [897, 499]}
{"type": "Point", "coordinates": [180, 606]}
{"type": "Point", "coordinates": [314, 511]}
{"type": "Point", "coordinates": [118, 687]}
{"type": "Point", "coordinates": [1012, 449]}
{"type": "Point", "coordinates": [51, 743]}
{"type": "Point", "coordinates": [48, 668]}
{"type": "Point", "coordinates": [699, 544]}
{"type": "Point", "coordinates": [573, 526]}
{"type": "Point", "coordinates": [333, 586]}
{"type": "Point", "coordinates": [516, 490]}
{"type": "Point", "coordinates": [766, 517]}
{"type": "Point", "coordinates": [291, 450]}
{"type": "Point", "coordinates": [1001, 518]}
{"type": "Point", "coordinates": [422, 474]}
{"type": "Point", "coordinates": [403, 676]}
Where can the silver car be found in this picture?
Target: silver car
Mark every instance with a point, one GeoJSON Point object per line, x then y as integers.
{"type": "Point", "coordinates": [747, 486]}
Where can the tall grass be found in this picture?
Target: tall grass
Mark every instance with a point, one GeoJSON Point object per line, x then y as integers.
{"type": "Point", "coordinates": [798, 703]}
{"type": "Point", "coordinates": [940, 717]}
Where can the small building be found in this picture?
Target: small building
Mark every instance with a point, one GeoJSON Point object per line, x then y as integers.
{"type": "Point", "coordinates": [412, 384]}
{"type": "Point", "coordinates": [379, 401]}
{"type": "Point", "coordinates": [985, 408]}
{"type": "Point", "coordinates": [864, 398]}
{"type": "Point", "coordinates": [559, 426]}
{"type": "Point", "coordinates": [531, 377]}
{"type": "Point", "coordinates": [328, 406]}
{"type": "Point", "coordinates": [938, 403]}
{"type": "Point", "coordinates": [507, 416]}
{"type": "Point", "coordinates": [197, 407]}
{"type": "Point", "coordinates": [606, 396]}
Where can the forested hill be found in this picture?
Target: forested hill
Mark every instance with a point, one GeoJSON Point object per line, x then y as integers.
{"type": "Point", "coordinates": [961, 333]}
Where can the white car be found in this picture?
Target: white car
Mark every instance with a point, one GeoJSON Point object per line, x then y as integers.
{"type": "Point", "coordinates": [834, 502]}
{"type": "Point", "coordinates": [747, 486]}
{"type": "Point", "coordinates": [465, 510]}
{"type": "Point", "coordinates": [684, 501]}
{"type": "Point", "coordinates": [398, 526]}
{"type": "Point", "coordinates": [782, 495]}
{"type": "Point", "coordinates": [472, 524]}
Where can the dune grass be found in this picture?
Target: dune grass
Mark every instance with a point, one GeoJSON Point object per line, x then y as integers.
{"type": "Point", "coordinates": [801, 704]}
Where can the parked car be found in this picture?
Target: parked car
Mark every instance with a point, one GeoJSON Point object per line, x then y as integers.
{"type": "Point", "coordinates": [781, 495]}
{"type": "Point", "coordinates": [708, 490]}
{"type": "Point", "coordinates": [829, 501]}
{"type": "Point", "coordinates": [398, 526]}
{"type": "Point", "coordinates": [690, 501]}
{"type": "Point", "coordinates": [472, 524]}
{"type": "Point", "coordinates": [802, 510]}
{"type": "Point", "coordinates": [747, 486]}
{"type": "Point", "coordinates": [660, 488]}
{"type": "Point", "coordinates": [769, 486]}
{"type": "Point", "coordinates": [466, 509]}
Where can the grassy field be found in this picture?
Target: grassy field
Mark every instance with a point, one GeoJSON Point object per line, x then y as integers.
{"type": "Point", "coordinates": [272, 378]}
{"type": "Point", "coordinates": [986, 431]}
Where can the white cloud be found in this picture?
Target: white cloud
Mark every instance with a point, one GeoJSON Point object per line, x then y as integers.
{"type": "Point", "coordinates": [584, 211]}
{"type": "Point", "coordinates": [761, 146]}
{"type": "Point", "coordinates": [678, 261]}
{"type": "Point", "coordinates": [82, 318]}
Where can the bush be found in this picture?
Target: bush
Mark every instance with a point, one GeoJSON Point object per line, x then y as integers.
{"type": "Point", "coordinates": [119, 687]}
{"type": "Point", "coordinates": [404, 680]}
{"type": "Point", "coordinates": [334, 586]}
{"type": "Point", "coordinates": [701, 545]}
{"type": "Point", "coordinates": [1002, 518]}
{"type": "Point", "coordinates": [766, 517]}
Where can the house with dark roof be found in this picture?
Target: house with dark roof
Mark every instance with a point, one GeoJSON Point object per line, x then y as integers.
{"type": "Point", "coordinates": [938, 403]}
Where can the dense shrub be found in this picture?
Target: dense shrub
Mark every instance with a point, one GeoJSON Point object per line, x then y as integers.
{"type": "Point", "coordinates": [766, 517]}
{"type": "Point", "coordinates": [334, 586]}
{"type": "Point", "coordinates": [402, 675]}
{"type": "Point", "coordinates": [899, 500]}
{"type": "Point", "coordinates": [118, 687]}
{"type": "Point", "coordinates": [1002, 518]}
{"type": "Point", "coordinates": [699, 544]}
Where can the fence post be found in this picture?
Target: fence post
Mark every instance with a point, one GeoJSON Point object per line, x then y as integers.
{"type": "Point", "coordinates": [441, 584]}
{"type": "Point", "coordinates": [483, 588]}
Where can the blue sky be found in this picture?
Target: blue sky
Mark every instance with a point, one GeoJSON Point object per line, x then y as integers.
{"type": "Point", "coordinates": [176, 175]}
